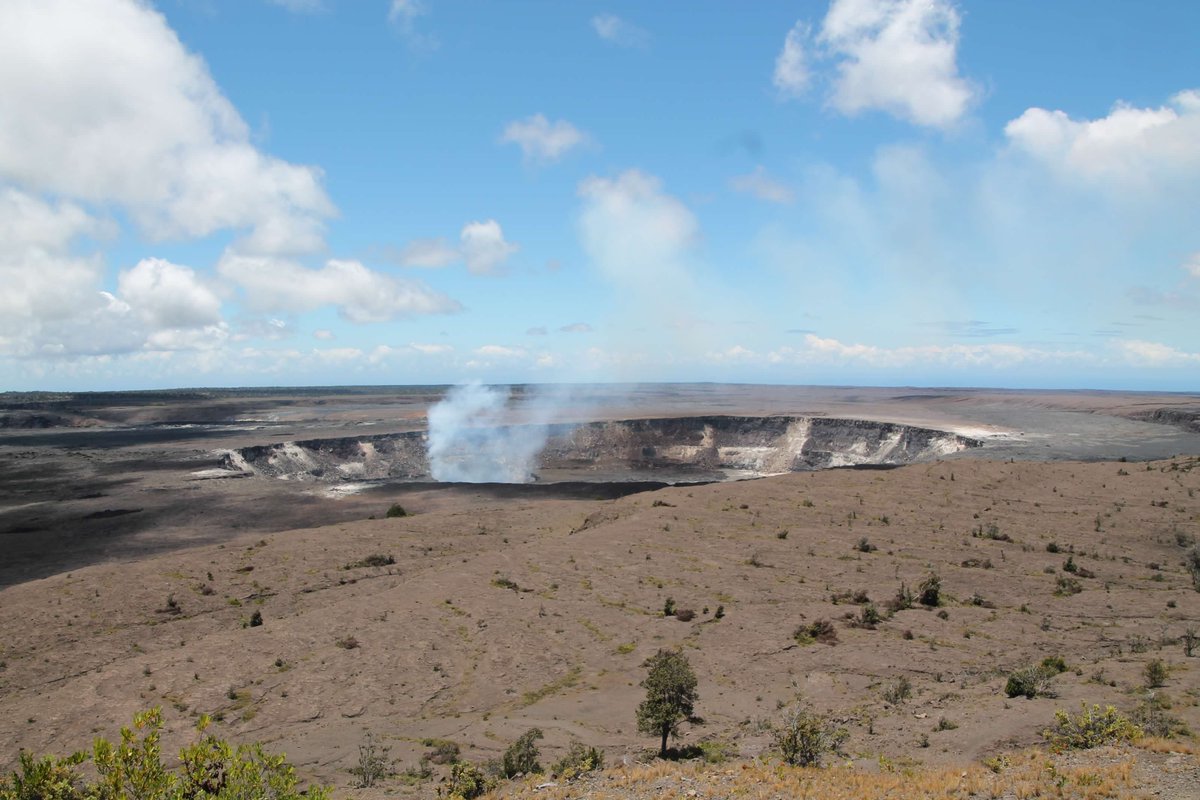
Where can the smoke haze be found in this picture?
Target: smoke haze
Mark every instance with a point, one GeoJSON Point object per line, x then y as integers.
{"type": "Point", "coordinates": [471, 439]}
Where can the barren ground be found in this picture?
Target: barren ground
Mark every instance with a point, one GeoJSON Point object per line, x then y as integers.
{"type": "Point", "coordinates": [508, 608]}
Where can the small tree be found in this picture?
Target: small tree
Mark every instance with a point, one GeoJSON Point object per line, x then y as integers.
{"type": "Point", "coordinates": [521, 757]}
{"type": "Point", "coordinates": [671, 695]}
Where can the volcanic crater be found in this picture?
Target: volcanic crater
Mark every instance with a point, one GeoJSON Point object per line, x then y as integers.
{"type": "Point", "coordinates": [669, 450]}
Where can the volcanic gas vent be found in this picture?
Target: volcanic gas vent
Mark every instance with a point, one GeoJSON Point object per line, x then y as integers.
{"type": "Point", "coordinates": [670, 449]}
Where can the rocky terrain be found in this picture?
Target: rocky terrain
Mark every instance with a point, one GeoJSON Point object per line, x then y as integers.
{"type": "Point", "coordinates": [671, 449]}
{"type": "Point", "coordinates": [140, 556]}
{"type": "Point", "coordinates": [499, 615]}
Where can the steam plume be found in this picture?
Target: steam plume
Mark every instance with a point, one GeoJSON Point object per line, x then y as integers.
{"type": "Point", "coordinates": [471, 439]}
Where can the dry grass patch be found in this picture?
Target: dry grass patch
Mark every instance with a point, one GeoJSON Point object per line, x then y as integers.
{"type": "Point", "coordinates": [1021, 775]}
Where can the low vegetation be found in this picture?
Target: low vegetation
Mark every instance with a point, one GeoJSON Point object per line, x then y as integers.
{"type": "Point", "coordinates": [804, 738]}
{"type": "Point", "coordinates": [1092, 727]}
{"type": "Point", "coordinates": [133, 769]}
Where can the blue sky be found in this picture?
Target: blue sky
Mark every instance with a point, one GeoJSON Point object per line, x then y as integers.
{"type": "Point", "coordinates": [897, 192]}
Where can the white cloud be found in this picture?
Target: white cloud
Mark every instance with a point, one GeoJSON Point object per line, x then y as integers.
{"type": "Point", "coordinates": [483, 246]}
{"type": "Point", "coordinates": [323, 334]}
{"type": "Point", "coordinates": [897, 56]}
{"type": "Point", "coordinates": [541, 140]}
{"type": "Point", "coordinates": [761, 185]}
{"type": "Point", "coordinates": [636, 233]}
{"type": "Point", "coordinates": [40, 276]}
{"type": "Point", "coordinates": [1140, 353]}
{"type": "Point", "coordinates": [999, 356]}
{"type": "Point", "coordinates": [792, 75]}
{"type": "Point", "coordinates": [168, 296]}
{"type": "Point", "coordinates": [1130, 147]}
{"type": "Point", "coordinates": [576, 327]}
{"type": "Point", "coordinates": [208, 337]}
{"type": "Point", "coordinates": [432, 349]}
{"type": "Point", "coordinates": [430, 253]}
{"type": "Point", "coordinates": [539, 330]}
{"type": "Point", "coordinates": [123, 114]}
{"type": "Point", "coordinates": [500, 351]}
{"type": "Point", "coordinates": [615, 30]}
{"type": "Point", "coordinates": [360, 295]}
{"type": "Point", "coordinates": [403, 14]}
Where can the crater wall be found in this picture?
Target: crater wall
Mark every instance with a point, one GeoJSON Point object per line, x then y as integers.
{"type": "Point", "coordinates": [675, 448]}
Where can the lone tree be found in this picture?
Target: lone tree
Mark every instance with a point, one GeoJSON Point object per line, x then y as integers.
{"type": "Point", "coordinates": [670, 695]}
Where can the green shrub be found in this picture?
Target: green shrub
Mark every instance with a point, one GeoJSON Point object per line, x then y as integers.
{"type": "Point", "coordinates": [467, 781]}
{"type": "Point", "coordinates": [1054, 664]}
{"type": "Point", "coordinates": [373, 763]}
{"type": "Point", "coordinates": [44, 778]}
{"type": "Point", "coordinates": [1092, 728]}
{"type": "Point", "coordinates": [898, 691]}
{"type": "Point", "coordinates": [1031, 682]}
{"type": "Point", "coordinates": [396, 510]}
{"type": "Point", "coordinates": [903, 600]}
{"type": "Point", "coordinates": [578, 761]}
{"type": "Point", "coordinates": [869, 617]}
{"type": "Point", "coordinates": [521, 757]}
{"type": "Point", "coordinates": [444, 751]}
{"type": "Point", "coordinates": [821, 630]}
{"type": "Point", "coordinates": [1155, 673]}
{"type": "Point", "coordinates": [802, 738]}
{"type": "Point", "coordinates": [1067, 586]}
{"type": "Point", "coordinates": [1152, 717]}
{"type": "Point", "coordinates": [211, 768]}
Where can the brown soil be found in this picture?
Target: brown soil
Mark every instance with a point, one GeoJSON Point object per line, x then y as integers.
{"type": "Point", "coordinates": [439, 644]}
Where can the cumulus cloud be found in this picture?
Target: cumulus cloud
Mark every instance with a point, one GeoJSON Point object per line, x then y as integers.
{"type": "Point", "coordinates": [761, 185]}
{"type": "Point", "coordinates": [430, 253]}
{"type": "Point", "coordinates": [123, 114]}
{"type": "Point", "coordinates": [897, 56]}
{"type": "Point", "coordinates": [168, 295]}
{"type": "Point", "coordinates": [541, 140]}
{"type": "Point", "coordinates": [359, 294]}
{"type": "Point", "coordinates": [614, 30]}
{"type": "Point", "coordinates": [792, 75]}
{"type": "Point", "coordinates": [483, 247]}
{"type": "Point", "coordinates": [43, 278]}
{"type": "Point", "coordinates": [1130, 147]}
{"type": "Point", "coordinates": [323, 334]}
{"type": "Point", "coordinates": [52, 306]}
